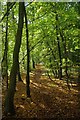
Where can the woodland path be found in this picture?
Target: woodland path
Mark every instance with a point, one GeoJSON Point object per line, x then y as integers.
{"type": "Point", "coordinates": [49, 98]}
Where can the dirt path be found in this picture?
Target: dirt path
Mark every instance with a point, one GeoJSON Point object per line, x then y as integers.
{"type": "Point", "coordinates": [49, 98]}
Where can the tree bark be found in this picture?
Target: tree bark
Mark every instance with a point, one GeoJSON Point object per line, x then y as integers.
{"type": "Point", "coordinates": [28, 57]}
{"type": "Point", "coordinates": [65, 52]}
{"type": "Point", "coordinates": [6, 50]}
{"type": "Point", "coordinates": [4, 62]}
{"type": "Point", "coordinates": [9, 100]}
{"type": "Point", "coordinates": [33, 63]}
{"type": "Point", "coordinates": [18, 73]}
{"type": "Point", "coordinates": [59, 49]}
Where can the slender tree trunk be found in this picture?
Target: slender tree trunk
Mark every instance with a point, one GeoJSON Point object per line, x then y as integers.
{"type": "Point", "coordinates": [33, 63]}
{"type": "Point", "coordinates": [59, 49]}
{"type": "Point", "coordinates": [6, 50]}
{"type": "Point", "coordinates": [5, 58]}
{"type": "Point", "coordinates": [9, 100]}
{"type": "Point", "coordinates": [2, 62]}
{"type": "Point", "coordinates": [65, 52]}
{"type": "Point", "coordinates": [18, 72]}
{"type": "Point", "coordinates": [14, 21]}
{"type": "Point", "coordinates": [28, 56]}
{"type": "Point", "coordinates": [55, 73]}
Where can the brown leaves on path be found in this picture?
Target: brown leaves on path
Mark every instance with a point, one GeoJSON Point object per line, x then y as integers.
{"type": "Point", "coordinates": [49, 98]}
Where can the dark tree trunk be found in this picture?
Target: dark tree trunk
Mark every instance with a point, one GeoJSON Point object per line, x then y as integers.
{"type": "Point", "coordinates": [59, 49]}
{"type": "Point", "coordinates": [28, 57]}
{"type": "Point", "coordinates": [6, 50]}
{"type": "Point", "coordinates": [9, 100]}
{"type": "Point", "coordinates": [18, 72]}
{"type": "Point", "coordinates": [33, 62]}
{"type": "Point", "coordinates": [5, 58]}
{"type": "Point", "coordinates": [65, 52]}
{"type": "Point", "coordinates": [2, 62]}
{"type": "Point", "coordinates": [23, 61]}
{"type": "Point", "coordinates": [65, 55]}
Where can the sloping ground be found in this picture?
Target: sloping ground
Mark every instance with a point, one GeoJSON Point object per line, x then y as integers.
{"type": "Point", "coordinates": [49, 98]}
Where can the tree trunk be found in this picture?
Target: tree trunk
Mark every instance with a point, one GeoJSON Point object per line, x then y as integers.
{"type": "Point", "coordinates": [2, 62]}
{"type": "Point", "coordinates": [18, 72]}
{"type": "Point", "coordinates": [65, 53]}
{"type": "Point", "coordinates": [9, 100]}
{"type": "Point", "coordinates": [28, 57]}
{"type": "Point", "coordinates": [5, 58]}
{"type": "Point", "coordinates": [33, 61]}
{"type": "Point", "coordinates": [6, 50]}
{"type": "Point", "coordinates": [55, 73]}
{"type": "Point", "coordinates": [59, 49]}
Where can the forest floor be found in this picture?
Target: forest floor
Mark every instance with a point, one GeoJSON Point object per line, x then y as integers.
{"type": "Point", "coordinates": [50, 98]}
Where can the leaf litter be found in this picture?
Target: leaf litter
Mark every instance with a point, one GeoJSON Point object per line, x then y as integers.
{"type": "Point", "coordinates": [49, 98]}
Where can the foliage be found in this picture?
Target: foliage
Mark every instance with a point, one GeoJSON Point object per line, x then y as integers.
{"type": "Point", "coordinates": [42, 27]}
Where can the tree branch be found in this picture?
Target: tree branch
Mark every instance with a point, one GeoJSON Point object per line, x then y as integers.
{"type": "Point", "coordinates": [7, 12]}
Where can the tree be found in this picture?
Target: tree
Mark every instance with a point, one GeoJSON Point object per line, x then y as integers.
{"type": "Point", "coordinates": [28, 56]}
{"type": "Point", "coordinates": [9, 100]}
{"type": "Point", "coordinates": [5, 56]}
{"type": "Point", "coordinates": [18, 73]}
{"type": "Point", "coordinates": [65, 51]}
{"type": "Point", "coordinates": [59, 49]}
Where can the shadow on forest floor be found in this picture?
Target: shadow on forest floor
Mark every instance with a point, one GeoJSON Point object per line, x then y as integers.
{"type": "Point", "coordinates": [50, 99]}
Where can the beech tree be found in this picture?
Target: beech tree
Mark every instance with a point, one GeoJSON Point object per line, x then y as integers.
{"type": "Point", "coordinates": [4, 61]}
{"type": "Point", "coordinates": [28, 56]}
{"type": "Point", "coordinates": [9, 100]}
